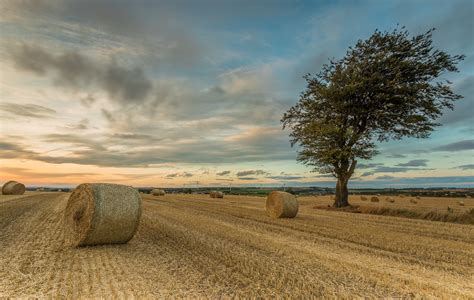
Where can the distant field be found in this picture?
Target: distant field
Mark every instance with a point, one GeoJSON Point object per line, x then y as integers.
{"type": "Point", "coordinates": [425, 204]}
{"type": "Point", "coordinates": [195, 246]}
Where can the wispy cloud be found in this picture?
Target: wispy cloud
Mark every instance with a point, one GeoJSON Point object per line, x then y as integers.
{"type": "Point", "coordinates": [251, 172]}
{"type": "Point", "coordinates": [466, 167]}
{"type": "Point", "coordinates": [184, 174]}
{"type": "Point", "coordinates": [457, 146]}
{"type": "Point", "coordinates": [414, 163]}
{"type": "Point", "coordinates": [28, 110]}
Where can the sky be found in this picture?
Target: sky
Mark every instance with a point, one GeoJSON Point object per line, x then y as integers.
{"type": "Point", "coordinates": [191, 93]}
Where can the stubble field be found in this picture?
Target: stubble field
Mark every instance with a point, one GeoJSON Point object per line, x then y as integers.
{"type": "Point", "coordinates": [195, 246]}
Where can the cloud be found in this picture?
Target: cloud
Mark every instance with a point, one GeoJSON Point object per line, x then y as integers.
{"type": "Point", "coordinates": [251, 172]}
{"type": "Point", "coordinates": [280, 177]}
{"type": "Point", "coordinates": [463, 108]}
{"type": "Point", "coordinates": [82, 125]}
{"type": "Point", "coordinates": [325, 176]}
{"type": "Point", "coordinates": [396, 155]}
{"type": "Point", "coordinates": [223, 173]}
{"type": "Point", "coordinates": [158, 37]}
{"type": "Point", "coordinates": [457, 146]}
{"type": "Point", "coordinates": [367, 174]}
{"type": "Point", "coordinates": [466, 167]}
{"type": "Point", "coordinates": [386, 169]}
{"type": "Point", "coordinates": [108, 115]}
{"type": "Point", "coordinates": [73, 70]}
{"type": "Point", "coordinates": [184, 175]}
{"type": "Point", "coordinates": [368, 166]}
{"type": "Point", "coordinates": [116, 151]}
{"type": "Point", "coordinates": [385, 177]}
{"type": "Point", "coordinates": [88, 100]}
{"type": "Point", "coordinates": [414, 163]}
{"type": "Point", "coordinates": [27, 110]}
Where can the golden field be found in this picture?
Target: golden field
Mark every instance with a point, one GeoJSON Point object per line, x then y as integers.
{"type": "Point", "coordinates": [424, 204]}
{"type": "Point", "coordinates": [197, 246]}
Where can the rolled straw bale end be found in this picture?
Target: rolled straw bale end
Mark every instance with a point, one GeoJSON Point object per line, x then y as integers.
{"type": "Point", "coordinates": [13, 188]}
{"type": "Point", "coordinates": [281, 205]}
{"type": "Point", "coordinates": [102, 213]}
{"type": "Point", "coordinates": [374, 199]}
{"type": "Point", "coordinates": [158, 192]}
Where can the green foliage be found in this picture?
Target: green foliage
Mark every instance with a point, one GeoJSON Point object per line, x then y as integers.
{"type": "Point", "coordinates": [384, 88]}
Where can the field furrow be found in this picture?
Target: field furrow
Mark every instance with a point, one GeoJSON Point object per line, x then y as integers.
{"type": "Point", "coordinates": [194, 246]}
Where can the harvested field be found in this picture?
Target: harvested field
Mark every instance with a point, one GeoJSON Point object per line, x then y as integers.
{"type": "Point", "coordinates": [196, 246]}
{"type": "Point", "coordinates": [424, 204]}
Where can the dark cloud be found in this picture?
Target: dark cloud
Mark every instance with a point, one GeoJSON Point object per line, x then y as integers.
{"type": "Point", "coordinates": [81, 141]}
{"type": "Point", "coordinates": [286, 177]}
{"type": "Point", "coordinates": [386, 169]}
{"type": "Point", "coordinates": [73, 70]}
{"type": "Point", "coordinates": [457, 146]}
{"type": "Point", "coordinates": [369, 165]}
{"type": "Point", "coordinates": [414, 163]}
{"type": "Point", "coordinates": [223, 173]}
{"type": "Point", "coordinates": [88, 100]}
{"type": "Point", "coordinates": [107, 115]}
{"type": "Point", "coordinates": [466, 167]}
{"type": "Point", "coordinates": [251, 172]}
{"type": "Point", "coordinates": [367, 174]}
{"type": "Point", "coordinates": [103, 151]}
{"type": "Point", "coordinates": [184, 174]}
{"type": "Point", "coordinates": [82, 125]}
{"type": "Point", "coordinates": [385, 177]}
{"type": "Point", "coordinates": [15, 150]}
{"type": "Point", "coordinates": [154, 26]}
{"type": "Point", "coordinates": [27, 110]}
{"type": "Point", "coordinates": [248, 178]}
{"type": "Point", "coordinates": [463, 108]}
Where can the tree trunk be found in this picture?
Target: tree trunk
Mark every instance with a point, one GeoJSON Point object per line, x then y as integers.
{"type": "Point", "coordinates": [342, 192]}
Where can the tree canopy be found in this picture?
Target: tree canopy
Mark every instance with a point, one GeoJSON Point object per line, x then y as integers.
{"type": "Point", "coordinates": [386, 87]}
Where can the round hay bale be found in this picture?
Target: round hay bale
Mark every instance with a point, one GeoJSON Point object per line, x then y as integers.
{"type": "Point", "coordinates": [390, 199]}
{"type": "Point", "coordinates": [102, 213]}
{"type": "Point", "coordinates": [219, 195]}
{"type": "Point", "coordinates": [413, 201]}
{"type": "Point", "coordinates": [212, 194]}
{"type": "Point", "coordinates": [461, 203]}
{"type": "Point", "coordinates": [363, 198]}
{"type": "Point", "coordinates": [13, 188]}
{"type": "Point", "coordinates": [374, 199]}
{"type": "Point", "coordinates": [281, 205]}
{"type": "Point", "coordinates": [158, 192]}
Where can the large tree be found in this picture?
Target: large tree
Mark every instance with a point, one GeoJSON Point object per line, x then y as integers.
{"type": "Point", "coordinates": [386, 87]}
